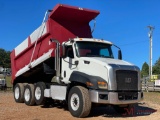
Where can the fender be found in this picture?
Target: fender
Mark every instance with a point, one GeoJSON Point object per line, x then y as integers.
{"type": "Point", "coordinates": [83, 78]}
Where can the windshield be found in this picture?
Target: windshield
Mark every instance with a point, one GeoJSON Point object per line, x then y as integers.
{"type": "Point", "coordinates": [93, 49]}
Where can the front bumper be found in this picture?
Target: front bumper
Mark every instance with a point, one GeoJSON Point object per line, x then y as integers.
{"type": "Point", "coordinates": [115, 98]}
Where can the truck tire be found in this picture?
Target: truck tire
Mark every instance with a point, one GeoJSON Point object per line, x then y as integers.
{"type": "Point", "coordinates": [79, 103]}
{"type": "Point", "coordinates": [29, 95]}
{"type": "Point", "coordinates": [39, 93]}
{"type": "Point", "coordinates": [19, 93]}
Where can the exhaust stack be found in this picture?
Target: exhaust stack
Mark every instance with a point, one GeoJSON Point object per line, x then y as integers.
{"type": "Point", "coordinates": [57, 59]}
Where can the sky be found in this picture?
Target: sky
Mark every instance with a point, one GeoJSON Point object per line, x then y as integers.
{"type": "Point", "coordinates": [123, 22]}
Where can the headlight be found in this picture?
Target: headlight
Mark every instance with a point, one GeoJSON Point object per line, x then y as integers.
{"type": "Point", "coordinates": [102, 85]}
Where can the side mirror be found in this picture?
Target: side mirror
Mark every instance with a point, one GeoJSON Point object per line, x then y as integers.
{"type": "Point", "coordinates": [120, 54]}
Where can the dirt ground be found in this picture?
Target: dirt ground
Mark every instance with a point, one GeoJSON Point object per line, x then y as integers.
{"type": "Point", "coordinates": [10, 110]}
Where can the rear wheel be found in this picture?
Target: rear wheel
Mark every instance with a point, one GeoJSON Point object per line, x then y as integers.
{"type": "Point", "coordinates": [39, 93]}
{"type": "Point", "coordinates": [19, 92]}
{"type": "Point", "coordinates": [29, 95]}
{"type": "Point", "coordinates": [79, 103]}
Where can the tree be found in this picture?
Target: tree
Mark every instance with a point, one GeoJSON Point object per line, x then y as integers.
{"type": "Point", "coordinates": [145, 70]}
{"type": "Point", "coordinates": [156, 67]}
{"type": "Point", "coordinates": [5, 58]}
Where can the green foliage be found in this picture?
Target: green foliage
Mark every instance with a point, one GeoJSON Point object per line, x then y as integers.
{"type": "Point", "coordinates": [156, 67]}
{"type": "Point", "coordinates": [145, 70]}
{"type": "Point", "coordinates": [5, 58]}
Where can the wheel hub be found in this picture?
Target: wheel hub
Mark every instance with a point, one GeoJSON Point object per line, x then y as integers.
{"type": "Point", "coordinates": [27, 95]}
{"type": "Point", "coordinates": [38, 93]}
{"type": "Point", "coordinates": [75, 102]}
{"type": "Point", "coordinates": [16, 92]}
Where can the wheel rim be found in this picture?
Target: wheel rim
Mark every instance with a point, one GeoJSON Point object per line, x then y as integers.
{"type": "Point", "coordinates": [27, 95]}
{"type": "Point", "coordinates": [37, 93]}
{"type": "Point", "coordinates": [16, 93]}
{"type": "Point", "coordinates": [74, 102]}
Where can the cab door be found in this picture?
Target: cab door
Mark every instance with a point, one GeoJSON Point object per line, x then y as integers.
{"type": "Point", "coordinates": [68, 63]}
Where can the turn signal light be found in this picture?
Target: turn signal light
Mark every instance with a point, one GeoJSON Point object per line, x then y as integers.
{"type": "Point", "coordinates": [89, 84]}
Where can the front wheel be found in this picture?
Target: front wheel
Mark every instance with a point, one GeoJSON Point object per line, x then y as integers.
{"type": "Point", "coordinates": [79, 103]}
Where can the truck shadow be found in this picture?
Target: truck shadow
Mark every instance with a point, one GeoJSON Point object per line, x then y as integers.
{"type": "Point", "coordinates": [53, 104]}
{"type": "Point", "coordinates": [136, 110]}
{"type": "Point", "coordinates": [108, 111]}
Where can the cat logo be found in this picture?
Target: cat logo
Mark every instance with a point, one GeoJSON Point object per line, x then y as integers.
{"type": "Point", "coordinates": [128, 80]}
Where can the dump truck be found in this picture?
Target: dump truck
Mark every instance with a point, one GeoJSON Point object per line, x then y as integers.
{"type": "Point", "coordinates": [62, 61]}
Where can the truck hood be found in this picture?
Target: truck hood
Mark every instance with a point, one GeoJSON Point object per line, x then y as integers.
{"type": "Point", "coordinates": [108, 61]}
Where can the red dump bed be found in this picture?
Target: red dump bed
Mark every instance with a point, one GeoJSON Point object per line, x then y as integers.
{"type": "Point", "coordinates": [64, 22]}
